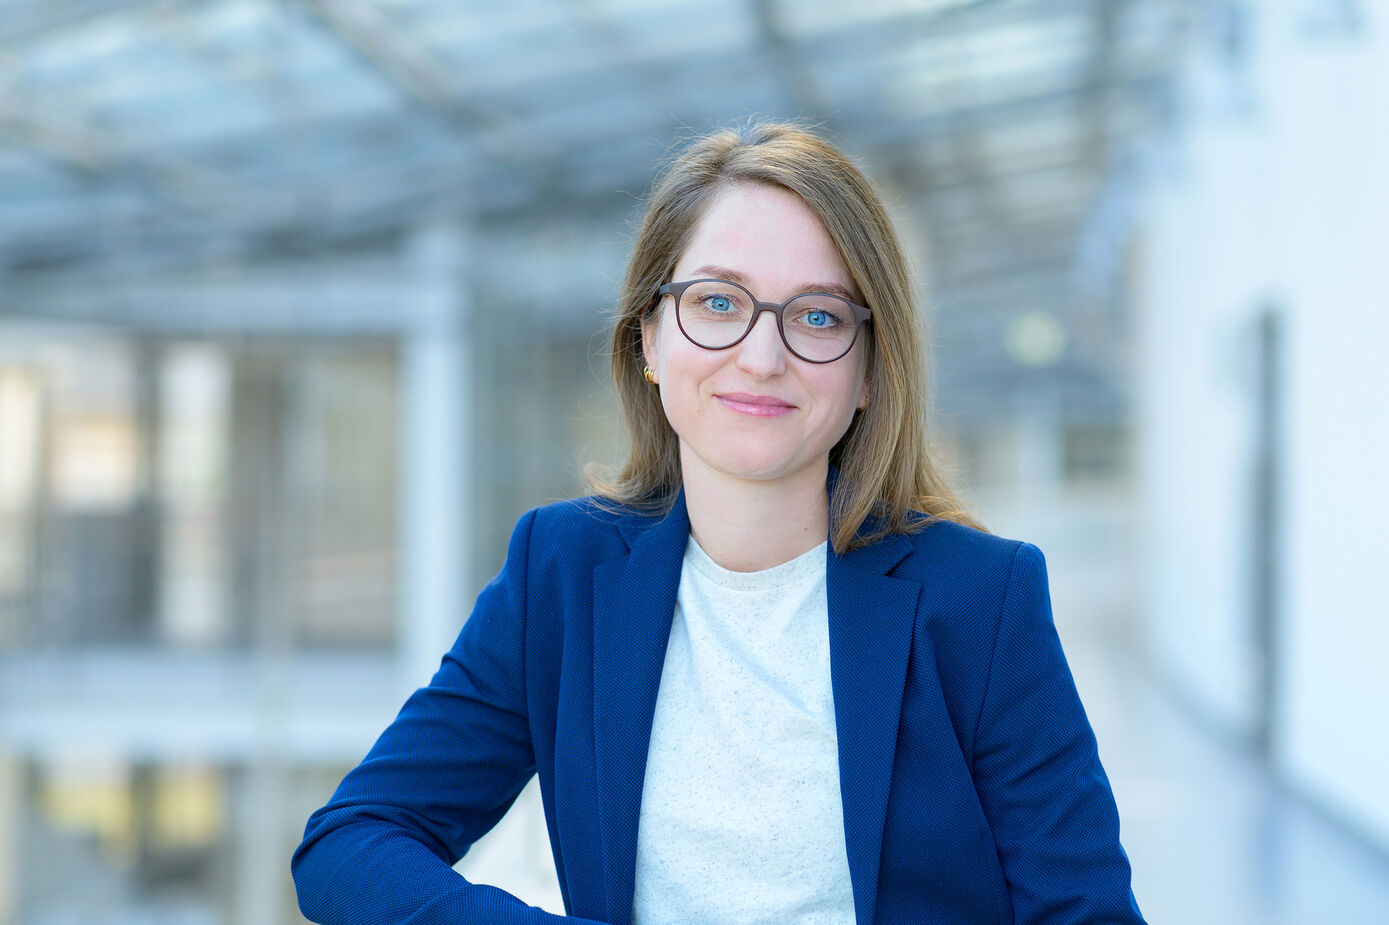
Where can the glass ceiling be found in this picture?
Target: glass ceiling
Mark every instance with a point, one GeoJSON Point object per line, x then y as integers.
{"type": "Point", "coordinates": [166, 125]}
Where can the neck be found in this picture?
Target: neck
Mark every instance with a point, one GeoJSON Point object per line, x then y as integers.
{"type": "Point", "coordinates": [747, 525]}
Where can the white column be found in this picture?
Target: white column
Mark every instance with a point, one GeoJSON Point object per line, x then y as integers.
{"type": "Point", "coordinates": [436, 519]}
{"type": "Point", "coordinates": [262, 846]}
{"type": "Point", "coordinates": [259, 801]}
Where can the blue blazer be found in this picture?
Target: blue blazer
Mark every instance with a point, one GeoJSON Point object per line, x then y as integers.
{"type": "Point", "coordinates": [972, 790]}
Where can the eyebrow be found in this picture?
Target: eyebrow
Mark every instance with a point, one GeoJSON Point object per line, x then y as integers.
{"type": "Point", "coordinates": [733, 276]}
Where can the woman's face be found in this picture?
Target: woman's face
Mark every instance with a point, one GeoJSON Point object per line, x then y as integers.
{"type": "Point", "coordinates": [755, 410]}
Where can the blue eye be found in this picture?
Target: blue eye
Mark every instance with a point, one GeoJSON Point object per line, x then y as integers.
{"type": "Point", "coordinates": [719, 303]}
{"type": "Point", "coordinates": [819, 315]}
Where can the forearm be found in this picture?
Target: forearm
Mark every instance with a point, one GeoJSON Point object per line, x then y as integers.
{"type": "Point", "coordinates": [371, 871]}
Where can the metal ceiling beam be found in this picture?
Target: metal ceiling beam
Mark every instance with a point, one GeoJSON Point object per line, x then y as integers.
{"type": "Point", "coordinates": [971, 162]}
{"type": "Point", "coordinates": [1102, 70]}
{"type": "Point", "coordinates": [1093, 117]}
{"type": "Point", "coordinates": [422, 77]}
{"type": "Point", "coordinates": [938, 124]}
{"type": "Point", "coordinates": [1020, 223]}
{"type": "Point", "coordinates": [38, 19]}
{"type": "Point", "coordinates": [69, 142]}
{"type": "Point", "coordinates": [887, 33]}
{"type": "Point", "coordinates": [415, 184]}
{"type": "Point", "coordinates": [399, 187]}
{"type": "Point", "coordinates": [1008, 277]}
{"type": "Point", "coordinates": [73, 144]}
{"type": "Point", "coordinates": [497, 133]}
{"type": "Point", "coordinates": [411, 68]}
{"type": "Point", "coordinates": [1050, 160]}
{"type": "Point", "coordinates": [1051, 231]}
{"type": "Point", "coordinates": [170, 22]}
{"type": "Point", "coordinates": [1101, 89]}
{"type": "Point", "coordinates": [90, 153]}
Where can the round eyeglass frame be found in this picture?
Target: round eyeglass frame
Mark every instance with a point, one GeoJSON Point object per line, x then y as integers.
{"type": "Point", "coordinates": [861, 314]}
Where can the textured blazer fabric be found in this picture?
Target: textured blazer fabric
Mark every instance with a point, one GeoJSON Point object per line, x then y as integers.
{"type": "Point", "coordinates": [972, 789]}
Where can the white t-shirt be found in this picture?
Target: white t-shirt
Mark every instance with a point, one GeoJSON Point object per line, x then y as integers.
{"type": "Point", "coordinates": [741, 816]}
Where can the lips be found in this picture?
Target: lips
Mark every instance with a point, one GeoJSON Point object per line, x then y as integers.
{"type": "Point", "coordinates": [755, 405]}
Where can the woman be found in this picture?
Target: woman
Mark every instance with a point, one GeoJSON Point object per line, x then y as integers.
{"type": "Point", "coordinates": [770, 673]}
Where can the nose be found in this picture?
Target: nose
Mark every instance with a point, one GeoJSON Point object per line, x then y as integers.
{"type": "Point", "coordinates": [761, 353]}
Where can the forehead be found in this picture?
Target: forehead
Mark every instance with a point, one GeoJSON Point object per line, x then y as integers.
{"type": "Point", "coordinates": [769, 236]}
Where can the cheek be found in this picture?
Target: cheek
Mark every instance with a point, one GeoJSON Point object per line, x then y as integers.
{"type": "Point", "coordinates": [848, 387]}
{"type": "Point", "coordinates": [662, 342]}
{"type": "Point", "coordinates": [682, 364]}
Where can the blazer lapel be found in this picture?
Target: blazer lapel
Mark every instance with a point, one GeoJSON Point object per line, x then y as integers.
{"type": "Point", "coordinates": [633, 604]}
{"type": "Point", "coordinates": [871, 619]}
{"type": "Point", "coordinates": [870, 627]}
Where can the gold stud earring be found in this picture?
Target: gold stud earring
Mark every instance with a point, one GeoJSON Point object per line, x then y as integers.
{"type": "Point", "coordinates": [648, 375]}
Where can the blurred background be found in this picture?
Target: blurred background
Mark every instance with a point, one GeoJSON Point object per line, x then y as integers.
{"type": "Point", "coordinates": [300, 308]}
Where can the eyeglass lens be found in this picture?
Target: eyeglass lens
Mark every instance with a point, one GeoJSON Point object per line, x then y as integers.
{"type": "Point", "coordinates": [716, 314]}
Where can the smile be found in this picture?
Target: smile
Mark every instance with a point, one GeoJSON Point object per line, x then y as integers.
{"type": "Point", "coordinates": [762, 406]}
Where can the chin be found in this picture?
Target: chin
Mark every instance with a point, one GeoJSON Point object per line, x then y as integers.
{"type": "Point", "coordinates": [760, 468]}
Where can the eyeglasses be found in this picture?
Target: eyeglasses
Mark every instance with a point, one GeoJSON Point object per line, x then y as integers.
{"type": "Point", "coordinates": [715, 314]}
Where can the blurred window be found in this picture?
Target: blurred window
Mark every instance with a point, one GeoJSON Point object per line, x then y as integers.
{"type": "Point", "coordinates": [150, 839]}
{"type": "Point", "coordinates": [341, 458]}
{"type": "Point", "coordinates": [203, 493]}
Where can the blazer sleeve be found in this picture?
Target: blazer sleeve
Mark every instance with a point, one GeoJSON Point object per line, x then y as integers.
{"type": "Point", "coordinates": [439, 777]}
{"type": "Point", "coordinates": [1038, 774]}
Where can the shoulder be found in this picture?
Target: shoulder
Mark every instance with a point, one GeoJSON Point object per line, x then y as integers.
{"type": "Point", "coordinates": [973, 584]}
{"type": "Point", "coordinates": [585, 515]}
{"type": "Point", "coordinates": [588, 529]}
{"type": "Point", "coordinates": [977, 589]}
{"type": "Point", "coordinates": [554, 550]}
{"type": "Point", "coordinates": [943, 549]}
{"type": "Point", "coordinates": [591, 514]}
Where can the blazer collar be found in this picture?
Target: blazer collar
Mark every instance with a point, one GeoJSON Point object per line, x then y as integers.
{"type": "Point", "coordinates": [870, 624]}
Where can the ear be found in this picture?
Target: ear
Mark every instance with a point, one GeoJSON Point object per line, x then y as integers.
{"type": "Point", "coordinates": [863, 394]}
{"type": "Point", "coordinates": [649, 327]}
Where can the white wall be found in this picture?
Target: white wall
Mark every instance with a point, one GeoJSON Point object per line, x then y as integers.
{"type": "Point", "coordinates": [1275, 191]}
{"type": "Point", "coordinates": [1333, 135]}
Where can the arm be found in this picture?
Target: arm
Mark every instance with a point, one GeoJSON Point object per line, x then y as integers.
{"type": "Point", "coordinates": [1038, 773]}
{"type": "Point", "coordinates": [437, 779]}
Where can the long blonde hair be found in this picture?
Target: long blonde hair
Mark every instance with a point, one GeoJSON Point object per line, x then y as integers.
{"type": "Point", "coordinates": [887, 477]}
